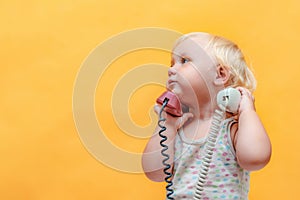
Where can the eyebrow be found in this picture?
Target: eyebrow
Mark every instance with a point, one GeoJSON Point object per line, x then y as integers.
{"type": "Point", "coordinates": [177, 54]}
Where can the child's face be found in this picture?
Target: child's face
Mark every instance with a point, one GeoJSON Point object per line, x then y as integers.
{"type": "Point", "coordinates": [192, 71]}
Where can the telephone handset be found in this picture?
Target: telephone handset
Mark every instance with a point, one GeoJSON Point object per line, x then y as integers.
{"type": "Point", "coordinates": [228, 100]}
{"type": "Point", "coordinates": [173, 106]}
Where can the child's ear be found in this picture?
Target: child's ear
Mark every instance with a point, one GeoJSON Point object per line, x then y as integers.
{"type": "Point", "coordinates": [222, 75]}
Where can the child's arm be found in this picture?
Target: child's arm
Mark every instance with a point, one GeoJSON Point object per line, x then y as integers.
{"type": "Point", "coordinates": [152, 158]}
{"type": "Point", "coordinates": [252, 144]}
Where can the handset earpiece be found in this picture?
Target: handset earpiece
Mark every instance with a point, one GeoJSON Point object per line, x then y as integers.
{"type": "Point", "coordinates": [229, 98]}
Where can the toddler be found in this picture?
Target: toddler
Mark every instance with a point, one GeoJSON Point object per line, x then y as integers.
{"type": "Point", "coordinates": [201, 65]}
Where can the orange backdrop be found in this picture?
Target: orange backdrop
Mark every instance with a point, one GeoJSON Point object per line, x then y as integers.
{"type": "Point", "coordinates": [44, 43]}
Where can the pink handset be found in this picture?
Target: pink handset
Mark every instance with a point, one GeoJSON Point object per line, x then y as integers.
{"type": "Point", "coordinates": [173, 107]}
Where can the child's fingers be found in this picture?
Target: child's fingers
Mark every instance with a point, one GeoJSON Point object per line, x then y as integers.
{"type": "Point", "coordinates": [245, 92]}
{"type": "Point", "coordinates": [157, 109]}
{"type": "Point", "coordinates": [182, 120]}
{"type": "Point", "coordinates": [247, 101]}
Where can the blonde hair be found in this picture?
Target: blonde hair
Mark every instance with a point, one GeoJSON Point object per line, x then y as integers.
{"type": "Point", "coordinates": [229, 55]}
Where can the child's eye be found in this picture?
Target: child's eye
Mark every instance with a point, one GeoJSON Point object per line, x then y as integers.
{"type": "Point", "coordinates": [184, 60]}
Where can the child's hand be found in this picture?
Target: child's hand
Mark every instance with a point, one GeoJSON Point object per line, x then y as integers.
{"type": "Point", "coordinates": [247, 100]}
{"type": "Point", "coordinates": [172, 121]}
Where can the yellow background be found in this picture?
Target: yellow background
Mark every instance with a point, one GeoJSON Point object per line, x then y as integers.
{"type": "Point", "coordinates": [43, 44]}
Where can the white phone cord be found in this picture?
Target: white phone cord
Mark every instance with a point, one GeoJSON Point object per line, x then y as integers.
{"type": "Point", "coordinates": [211, 143]}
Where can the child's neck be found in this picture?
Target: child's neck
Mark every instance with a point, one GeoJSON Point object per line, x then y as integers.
{"type": "Point", "coordinates": [197, 128]}
{"type": "Point", "coordinates": [204, 112]}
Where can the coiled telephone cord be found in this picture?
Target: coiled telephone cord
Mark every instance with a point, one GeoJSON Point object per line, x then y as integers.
{"type": "Point", "coordinates": [210, 145]}
{"type": "Point", "coordinates": [167, 169]}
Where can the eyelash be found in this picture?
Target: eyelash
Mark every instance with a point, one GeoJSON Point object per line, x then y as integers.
{"type": "Point", "coordinates": [183, 60]}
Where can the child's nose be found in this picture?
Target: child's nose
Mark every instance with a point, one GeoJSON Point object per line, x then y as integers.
{"type": "Point", "coordinates": [171, 71]}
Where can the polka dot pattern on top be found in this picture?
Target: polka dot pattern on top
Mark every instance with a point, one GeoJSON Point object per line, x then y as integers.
{"type": "Point", "coordinates": [225, 179]}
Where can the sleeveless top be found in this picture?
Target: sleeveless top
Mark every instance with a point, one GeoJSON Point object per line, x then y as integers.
{"type": "Point", "coordinates": [225, 179]}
